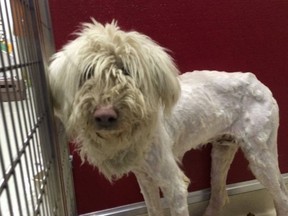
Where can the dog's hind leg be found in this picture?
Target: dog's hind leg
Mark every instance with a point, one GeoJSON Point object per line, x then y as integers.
{"type": "Point", "coordinates": [222, 156]}
{"type": "Point", "coordinates": [272, 141]}
{"type": "Point", "coordinates": [150, 191]}
{"type": "Point", "coordinates": [262, 157]}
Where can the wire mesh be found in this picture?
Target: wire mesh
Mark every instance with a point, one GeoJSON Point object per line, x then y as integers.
{"type": "Point", "coordinates": [31, 179]}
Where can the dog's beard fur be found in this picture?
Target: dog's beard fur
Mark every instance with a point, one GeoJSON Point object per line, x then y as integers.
{"type": "Point", "coordinates": [115, 151]}
{"type": "Point", "coordinates": [105, 66]}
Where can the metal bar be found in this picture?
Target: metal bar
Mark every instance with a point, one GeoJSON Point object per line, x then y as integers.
{"type": "Point", "coordinates": [27, 55]}
{"type": "Point", "coordinates": [18, 66]}
{"type": "Point", "coordinates": [21, 65]}
{"type": "Point", "coordinates": [22, 151]}
{"type": "Point", "coordinates": [4, 180]}
{"type": "Point", "coordinates": [46, 107]}
{"type": "Point", "coordinates": [12, 118]}
{"type": "Point", "coordinates": [39, 105]}
{"type": "Point", "coordinates": [10, 171]}
{"type": "Point", "coordinates": [42, 189]}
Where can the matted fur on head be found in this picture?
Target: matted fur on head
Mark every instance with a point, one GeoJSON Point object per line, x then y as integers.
{"type": "Point", "coordinates": [108, 87]}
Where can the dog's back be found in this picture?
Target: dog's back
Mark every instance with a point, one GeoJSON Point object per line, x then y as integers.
{"type": "Point", "coordinates": [216, 103]}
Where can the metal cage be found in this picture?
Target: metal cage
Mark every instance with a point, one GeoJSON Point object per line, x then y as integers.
{"type": "Point", "coordinates": [35, 173]}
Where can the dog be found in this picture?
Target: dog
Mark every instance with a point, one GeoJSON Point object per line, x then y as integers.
{"type": "Point", "coordinates": [120, 96]}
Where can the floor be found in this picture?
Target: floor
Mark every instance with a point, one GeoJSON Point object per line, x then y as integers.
{"type": "Point", "coordinates": [247, 198]}
{"type": "Point", "coordinates": [258, 203]}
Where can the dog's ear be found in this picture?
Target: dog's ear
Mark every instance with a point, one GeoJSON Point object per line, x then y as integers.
{"type": "Point", "coordinates": [152, 68]}
{"type": "Point", "coordinates": [165, 78]}
{"type": "Point", "coordinates": [63, 79]}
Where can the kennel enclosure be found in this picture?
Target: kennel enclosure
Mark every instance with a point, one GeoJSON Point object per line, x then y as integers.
{"type": "Point", "coordinates": [35, 171]}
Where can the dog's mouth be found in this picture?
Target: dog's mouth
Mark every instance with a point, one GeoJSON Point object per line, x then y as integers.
{"type": "Point", "coordinates": [117, 130]}
{"type": "Point", "coordinates": [107, 126]}
{"type": "Point", "coordinates": [109, 133]}
{"type": "Point", "coordinates": [107, 130]}
{"type": "Point", "coordinates": [104, 134]}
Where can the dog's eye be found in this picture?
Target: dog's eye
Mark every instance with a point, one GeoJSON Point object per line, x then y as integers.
{"type": "Point", "coordinates": [125, 72]}
{"type": "Point", "coordinates": [87, 74]}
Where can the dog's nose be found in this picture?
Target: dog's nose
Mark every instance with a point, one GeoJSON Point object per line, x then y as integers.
{"type": "Point", "coordinates": [105, 117]}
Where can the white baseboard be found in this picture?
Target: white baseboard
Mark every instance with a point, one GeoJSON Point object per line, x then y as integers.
{"type": "Point", "coordinates": [255, 199]}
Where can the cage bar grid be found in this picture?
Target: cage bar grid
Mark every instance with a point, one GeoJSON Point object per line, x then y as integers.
{"type": "Point", "coordinates": [31, 178]}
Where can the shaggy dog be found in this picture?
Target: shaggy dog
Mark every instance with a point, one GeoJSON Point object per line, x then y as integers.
{"type": "Point", "coordinates": [119, 95]}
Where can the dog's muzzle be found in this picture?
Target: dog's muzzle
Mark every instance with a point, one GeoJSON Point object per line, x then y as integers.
{"type": "Point", "coordinates": [106, 118]}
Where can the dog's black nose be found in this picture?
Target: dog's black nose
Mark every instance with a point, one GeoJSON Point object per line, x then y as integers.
{"type": "Point", "coordinates": [105, 117]}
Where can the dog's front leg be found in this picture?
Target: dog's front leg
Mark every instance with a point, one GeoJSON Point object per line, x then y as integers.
{"type": "Point", "coordinates": [161, 170]}
{"type": "Point", "coordinates": [174, 186]}
{"type": "Point", "coordinates": [150, 191]}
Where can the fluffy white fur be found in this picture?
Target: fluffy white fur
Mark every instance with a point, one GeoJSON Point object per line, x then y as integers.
{"type": "Point", "coordinates": [157, 116]}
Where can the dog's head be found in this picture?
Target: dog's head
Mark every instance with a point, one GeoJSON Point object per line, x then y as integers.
{"type": "Point", "coordinates": [112, 79]}
{"type": "Point", "coordinates": [109, 84]}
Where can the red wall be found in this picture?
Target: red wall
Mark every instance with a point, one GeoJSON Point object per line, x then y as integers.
{"type": "Point", "coordinates": [231, 35]}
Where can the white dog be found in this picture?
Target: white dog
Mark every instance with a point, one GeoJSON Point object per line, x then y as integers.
{"type": "Point", "coordinates": [119, 94]}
